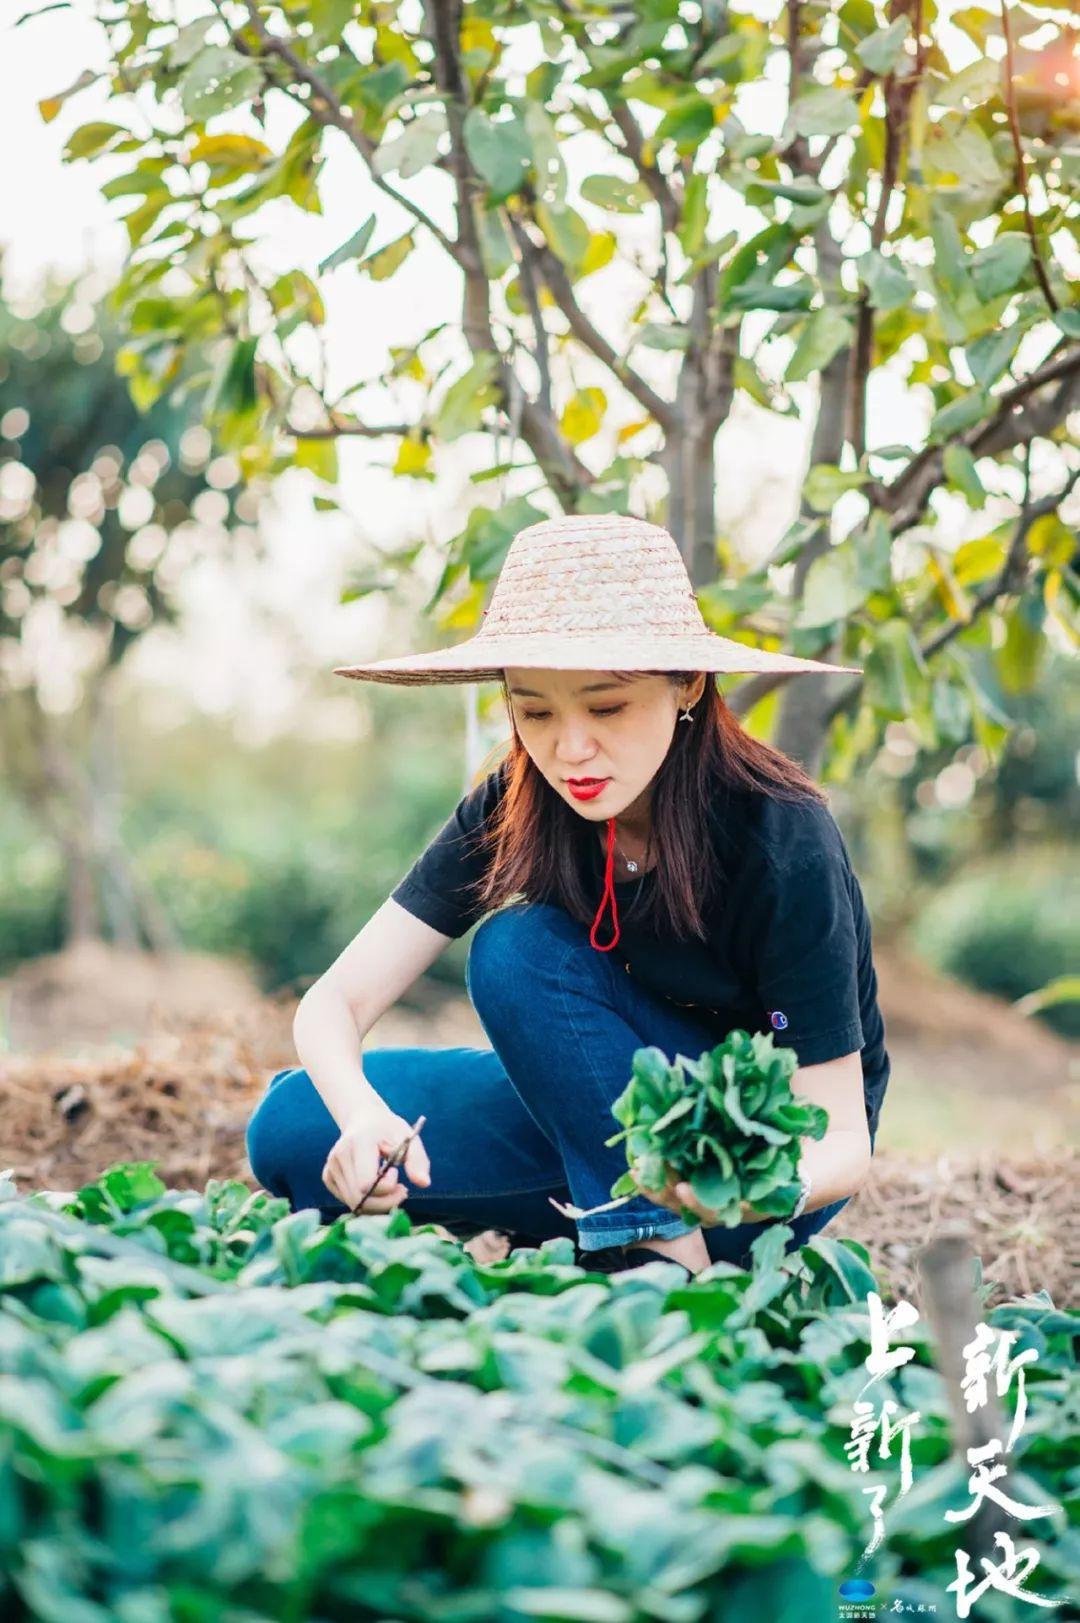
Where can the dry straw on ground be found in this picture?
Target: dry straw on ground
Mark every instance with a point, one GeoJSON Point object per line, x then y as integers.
{"type": "Point", "coordinates": [182, 1098]}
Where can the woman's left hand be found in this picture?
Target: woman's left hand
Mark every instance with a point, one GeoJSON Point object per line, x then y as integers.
{"type": "Point", "coordinates": [676, 1195]}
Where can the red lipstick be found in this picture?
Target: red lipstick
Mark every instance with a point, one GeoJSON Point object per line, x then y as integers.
{"type": "Point", "coordinates": [586, 788]}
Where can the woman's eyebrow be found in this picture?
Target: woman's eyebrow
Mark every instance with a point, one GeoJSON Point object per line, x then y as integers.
{"type": "Point", "coordinates": [591, 687]}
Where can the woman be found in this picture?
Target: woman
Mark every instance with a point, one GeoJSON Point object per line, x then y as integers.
{"type": "Point", "coordinates": [652, 875]}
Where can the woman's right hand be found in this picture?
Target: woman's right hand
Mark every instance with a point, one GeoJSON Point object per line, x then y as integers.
{"type": "Point", "coordinates": [353, 1162]}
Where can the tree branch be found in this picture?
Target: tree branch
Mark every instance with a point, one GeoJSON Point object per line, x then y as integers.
{"type": "Point", "coordinates": [553, 272]}
{"type": "Point", "coordinates": [658, 183]}
{"type": "Point", "coordinates": [1010, 578]}
{"type": "Point", "coordinates": [756, 688]}
{"type": "Point", "coordinates": [327, 110]}
{"type": "Point", "coordinates": [1020, 168]}
{"type": "Point", "coordinates": [906, 497]}
{"type": "Point", "coordinates": [532, 299]}
{"type": "Point", "coordinates": [566, 473]}
{"type": "Point", "coordinates": [897, 94]}
{"type": "Point", "coordinates": [352, 428]}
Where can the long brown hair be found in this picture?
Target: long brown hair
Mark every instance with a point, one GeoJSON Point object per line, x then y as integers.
{"type": "Point", "coordinates": [536, 841]}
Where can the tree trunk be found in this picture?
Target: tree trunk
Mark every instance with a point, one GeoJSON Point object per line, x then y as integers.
{"type": "Point", "coordinates": [134, 913]}
{"type": "Point", "coordinates": [79, 808]}
{"type": "Point", "coordinates": [102, 779]}
{"type": "Point", "coordinates": [66, 804]}
{"type": "Point", "coordinates": [690, 464]}
{"type": "Point", "coordinates": [83, 908]}
{"type": "Point", "coordinates": [806, 702]}
{"type": "Point", "coordinates": [702, 401]}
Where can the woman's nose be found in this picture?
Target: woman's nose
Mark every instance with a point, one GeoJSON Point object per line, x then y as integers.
{"type": "Point", "coordinates": [575, 746]}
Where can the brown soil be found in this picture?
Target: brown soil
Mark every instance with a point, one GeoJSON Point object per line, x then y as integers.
{"type": "Point", "coordinates": [94, 993]}
{"type": "Point", "coordinates": [917, 1004]}
{"type": "Point", "coordinates": [182, 1095]}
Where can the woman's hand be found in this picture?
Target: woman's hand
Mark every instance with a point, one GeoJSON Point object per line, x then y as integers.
{"type": "Point", "coordinates": [677, 1194]}
{"type": "Point", "coordinates": [352, 1164]}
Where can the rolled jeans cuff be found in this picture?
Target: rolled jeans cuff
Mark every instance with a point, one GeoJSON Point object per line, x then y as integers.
{"type": "Point", "coordinates": [615, 1228]}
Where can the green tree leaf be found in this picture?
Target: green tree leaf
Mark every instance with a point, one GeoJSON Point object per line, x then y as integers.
{"type": "Point", "coordinates": [496, 249]}
{"type": "Point", "coordinates": [217, 79]}
{"type": "Point", "coordinates": [962, 471]}
{"type": "Point", "coordinates": [998, 267]}
{"type": "Point", "coordinates": [964, 412]}
{"type": "Point", "coordinates": [499, 152]}
{"type": "Point", "coordinates": [823, 110]}
{"type": "Point", "coordinates": [320, 457]}
{"type": "Point", "coordinates": [91, 139]}
{"type": "Point", "coordinates": [695, 215]}
{"type": "Point", "coordinates": [687, 124]}
{"type": "Point", "coordinates": [382, 264]}
{"type": "Point", "coordinates": [655, 335]}
{"type": "Point", "coordinates": [232, 391]}
{"type": "Point", "coordinates": [760, 295]}
{"type": "Point", "coordinates": [464, 402]}
{"type": "Point", "coordinates": [841, 580]}
{"type": "Point", "coordinates": [549, 170]}
{"type": "Point", "coordinates": [825, 484]}
{"type": "Point", "coordinates": [614, 193]}
{"type": "Point", "coordinates": [886, 280]}
{"type": "Point", "coordinates": [894, 672]}
{"type": "Point", "coordinates": [352, 249]}
{"type": "Point", "coordinates": [882, 49]}
{"type": "Point", "coordinates": [415, 149]}
{"type": "Point", "coordinates": [566, 232]}
{"type": "Point", "coordinates": [826, 332]}
{"type": "Point", "coordinates": [989, 355]}
{"type": "Point", "coordinates": [189, 42]}
{"type": "Point", "coordinates": [802, 190]}
{"type": "Point", "coordinates": [963, 155]}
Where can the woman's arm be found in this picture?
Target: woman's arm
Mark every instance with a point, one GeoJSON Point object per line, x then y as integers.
{"type": "Point", "coordinates": [836, 1164]}
{"type": "Point", "coordinates": [380, 963]}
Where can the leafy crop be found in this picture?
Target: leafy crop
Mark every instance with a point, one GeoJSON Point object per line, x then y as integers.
{"type": "Point", "coordinates": [727, 1122]}
{"type": "Point", "coordinates": [215, 1411]}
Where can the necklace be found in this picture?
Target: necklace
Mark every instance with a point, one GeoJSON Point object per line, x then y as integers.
{"type": "Point", "coordinates": [632, 867]}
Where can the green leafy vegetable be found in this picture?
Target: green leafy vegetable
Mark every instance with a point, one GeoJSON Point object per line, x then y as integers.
{"type": "Point", "coordinates": [727, 1123]}
{"type": "Point", "coordinates": [214, 1408]}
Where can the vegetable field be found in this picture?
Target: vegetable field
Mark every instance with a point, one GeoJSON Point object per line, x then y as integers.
{"type": "Point", "coordinates": [211, 1409]}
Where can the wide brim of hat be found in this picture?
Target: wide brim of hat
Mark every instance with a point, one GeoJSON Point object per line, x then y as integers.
{"type": "Point", "coordinates": [483, 659]}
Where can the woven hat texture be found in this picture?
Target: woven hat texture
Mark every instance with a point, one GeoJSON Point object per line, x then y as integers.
{"type": "Point", "coordinates": [594, 591]}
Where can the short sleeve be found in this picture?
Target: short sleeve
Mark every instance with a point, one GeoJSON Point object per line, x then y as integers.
{"type": "Point", "coordinates": [804, 951]}
{"type": "Point", "coordinates": [440, 887]}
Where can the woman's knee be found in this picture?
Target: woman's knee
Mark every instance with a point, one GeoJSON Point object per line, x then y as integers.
{"type": "Point", "coordinates": [508, 952]}
{"type": "Point", "coordinates": [279, 1130]}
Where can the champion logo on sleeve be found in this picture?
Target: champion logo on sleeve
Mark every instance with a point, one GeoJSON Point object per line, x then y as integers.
{"type": "Point", "coordinates": [778, 1020]}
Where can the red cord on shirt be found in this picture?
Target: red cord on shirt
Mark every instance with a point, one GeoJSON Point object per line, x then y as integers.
{"type": "Point", "coordinates": [609, 894]}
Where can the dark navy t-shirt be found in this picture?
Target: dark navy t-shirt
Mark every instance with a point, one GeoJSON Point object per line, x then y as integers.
{"type": "Point", "coordinates": [788, 941]}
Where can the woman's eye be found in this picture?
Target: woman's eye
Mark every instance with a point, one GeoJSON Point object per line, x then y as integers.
{"type": "Point", "coordinates": [542, 715]}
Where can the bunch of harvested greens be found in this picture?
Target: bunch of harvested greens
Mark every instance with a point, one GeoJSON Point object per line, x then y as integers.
{"type": "Point", "coordinates": [727, 1123]}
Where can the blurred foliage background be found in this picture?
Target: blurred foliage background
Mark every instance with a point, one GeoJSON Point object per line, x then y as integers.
{"type": "Point", "coordinates": [189, 539]}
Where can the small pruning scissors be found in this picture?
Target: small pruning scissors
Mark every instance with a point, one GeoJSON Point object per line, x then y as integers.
{"type": "Point", "coordinates": [394, 1159]}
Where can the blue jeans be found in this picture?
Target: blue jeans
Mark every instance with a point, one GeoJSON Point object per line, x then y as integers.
{"type": "Point", "coordinates": [509, 1126]}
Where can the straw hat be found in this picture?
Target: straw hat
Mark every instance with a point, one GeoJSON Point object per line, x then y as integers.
{"type": "Point", "coordinates": [590, 592]}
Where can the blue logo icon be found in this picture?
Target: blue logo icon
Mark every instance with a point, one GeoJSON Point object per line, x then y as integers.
{"type": "Point", "coordinates": [779, 1020]}
{"type": "Point", "coordinates": [856, 1589]}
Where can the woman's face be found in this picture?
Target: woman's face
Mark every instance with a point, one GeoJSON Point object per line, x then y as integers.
{"type": "Point", "coordinates": [598, 740]}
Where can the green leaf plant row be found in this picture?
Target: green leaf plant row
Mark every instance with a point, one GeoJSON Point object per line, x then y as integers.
{"type": "Point", "coordinates": [215, 1411]}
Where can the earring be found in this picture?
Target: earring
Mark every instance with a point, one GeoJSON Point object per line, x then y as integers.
{"type": "Point", "coordinates": [687, 714]}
